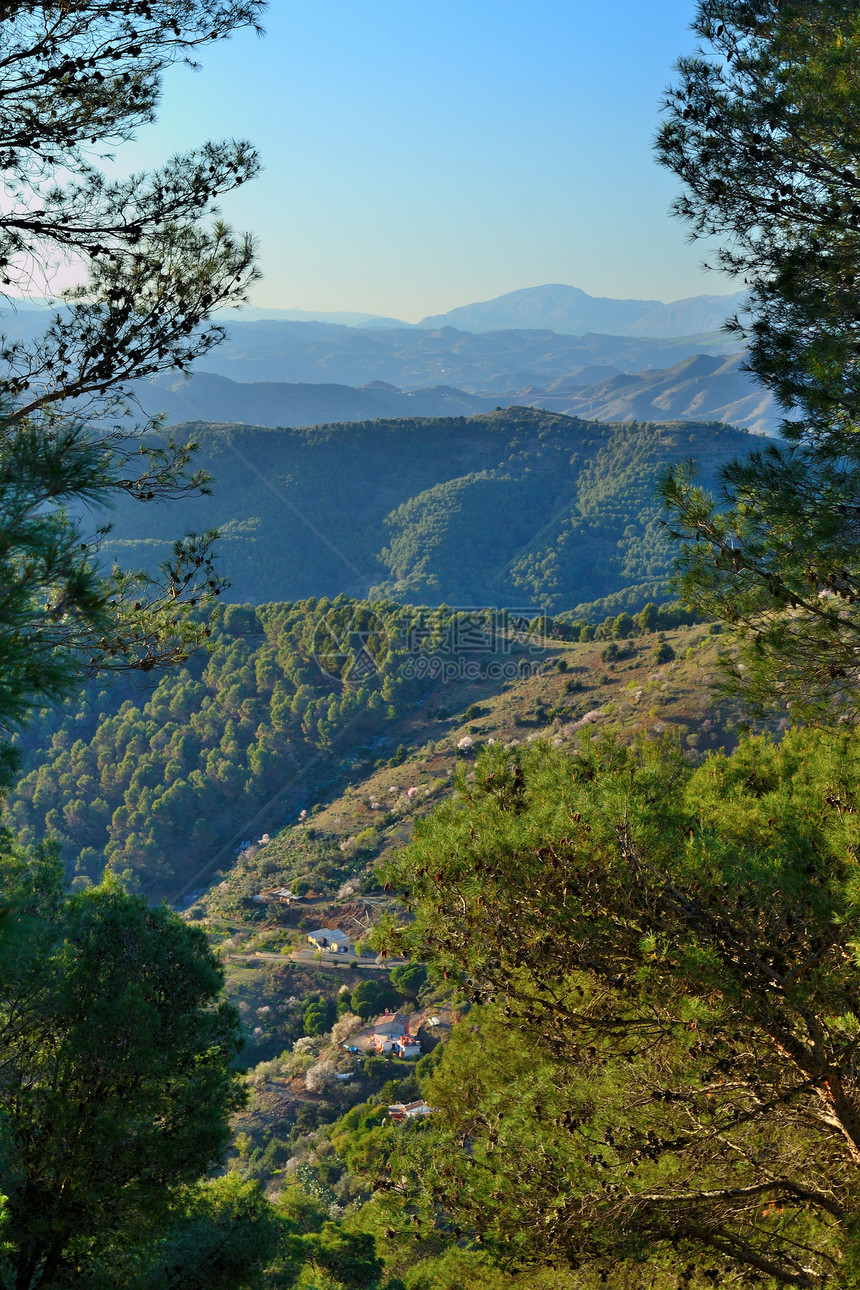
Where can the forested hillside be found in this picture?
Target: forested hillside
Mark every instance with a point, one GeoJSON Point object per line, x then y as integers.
{"type": "Point", "coordinates": [158, 781]}
{"type": "Point", "coordinates": [517, 507]}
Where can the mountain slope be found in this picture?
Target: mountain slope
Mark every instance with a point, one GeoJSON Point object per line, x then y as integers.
{"type": "Point", "coordinates": [519, 507]}
{"type": "Point", "coordinates": [207, 396]}
{"type": "Point", "coordinates": [701, 387]}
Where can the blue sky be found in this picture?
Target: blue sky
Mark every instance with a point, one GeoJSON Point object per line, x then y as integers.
{"type": "Point", "coordinates": [420, 156]}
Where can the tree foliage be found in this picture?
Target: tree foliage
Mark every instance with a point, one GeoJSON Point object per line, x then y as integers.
{"type": "Point", "coordinates": [667, 1070]}
{"type": "Point", "coordinates": [116, 1080]}
{"type": "Point", "coordinates": [762, 128]}
{"type": "Point", "coordinates": [153, 261]}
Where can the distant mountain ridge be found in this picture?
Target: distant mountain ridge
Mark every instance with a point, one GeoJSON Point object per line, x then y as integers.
{"type": "Point", "coordinates": [571, 311]}
{"type": "Point", "coordinates": [207, 396]}
{"type": "Point", "coordinates": [701, 387]}
{"type": "Point", "coordinates": [411, 357]}
{"type": "Point", "coordinates": [348, 318]}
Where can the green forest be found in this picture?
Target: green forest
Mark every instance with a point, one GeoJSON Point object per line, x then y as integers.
{"type": "Point", "coordinates": [348, 943]}
{"type": "Point", "coordinates": [515, 507]}
{"type": "Point", "coordinates": [154, 779]}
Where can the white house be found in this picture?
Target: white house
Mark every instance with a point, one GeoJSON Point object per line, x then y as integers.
{"type": "Point", "coordinates": [391, 1025]}
{"type": "Point", "coordinates": [391, 1035]}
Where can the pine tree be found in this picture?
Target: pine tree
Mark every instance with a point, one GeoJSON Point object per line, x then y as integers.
{"type": "Point", "coordinates": [76, 80]}
{"type": "Point", "coordinates": [762, 129]}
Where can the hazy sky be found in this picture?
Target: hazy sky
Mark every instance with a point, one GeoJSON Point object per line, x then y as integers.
{"type": "Point", "coordinates": [420, 156]}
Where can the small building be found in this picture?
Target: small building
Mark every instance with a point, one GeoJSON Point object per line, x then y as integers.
{"type": "Point", "coordinates": [391, 1035]}
{"type": "Point", "coordinates": [285, 894]}
{"type": "Point", "coordinates": [331, 940]}
{"type": "Point", "coordinates": [401, 1111]}
{"type": "Point", "coordinates": [282, 896]}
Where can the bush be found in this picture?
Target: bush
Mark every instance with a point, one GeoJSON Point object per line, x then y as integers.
{"type": "Point", "coordinates": [374, 1067]}
{"type": "Point", "coordinates": [368, 840]}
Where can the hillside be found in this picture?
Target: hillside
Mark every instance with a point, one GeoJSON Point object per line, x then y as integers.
{"type": "Point", "coordinates": [597, 686]}
{"type": "Point", "coordinates": [699, 387]}
{"type": "Point", "coordinates": [296, 705]}
{"type": "Point", "coordinates": [159, 778]}
{"type": "Point", "coordinates": [205, 396]}
{"type": "Point", "coordinates": [517, 507]}
{"type": "Point", "coordinates": [166, 780]}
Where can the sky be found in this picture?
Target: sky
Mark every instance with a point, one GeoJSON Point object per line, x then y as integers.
{"type": "Point", "coordinates": [422, 156]}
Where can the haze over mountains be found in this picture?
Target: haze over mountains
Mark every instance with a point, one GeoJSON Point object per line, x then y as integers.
{"type": "Point", "coordinates": [570, 311]}
{"type": "Point", "coordinates": [488, 362]}
{"type": "Point", "coordinates": [551, 307]}
{"type": "Point", "coordinates": [700, 387]}
{"type": "Point", "coordinates": [552, 347]}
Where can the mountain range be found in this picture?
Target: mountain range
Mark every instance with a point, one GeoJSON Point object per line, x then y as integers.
{"type": "Point", "coordinates": [570, 311]}
{"type": "Point", "coordinates": [481, 363]}
{"type": "Point", "coordinates": [205, 396]}
{"type": "Point", "coordinates": [292, 370]}
{"type": "Point", "coordinates": [553, 307]}
{"type": "Point", "coordinates": [699, 387]}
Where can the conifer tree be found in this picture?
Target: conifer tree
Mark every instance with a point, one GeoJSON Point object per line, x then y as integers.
{"type": "Point", "coordinates": [153, 260]}
{"type": "Point", "coordinates": [661, 1080]}
{"type": "Point", "coordinates": [763, 128]}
